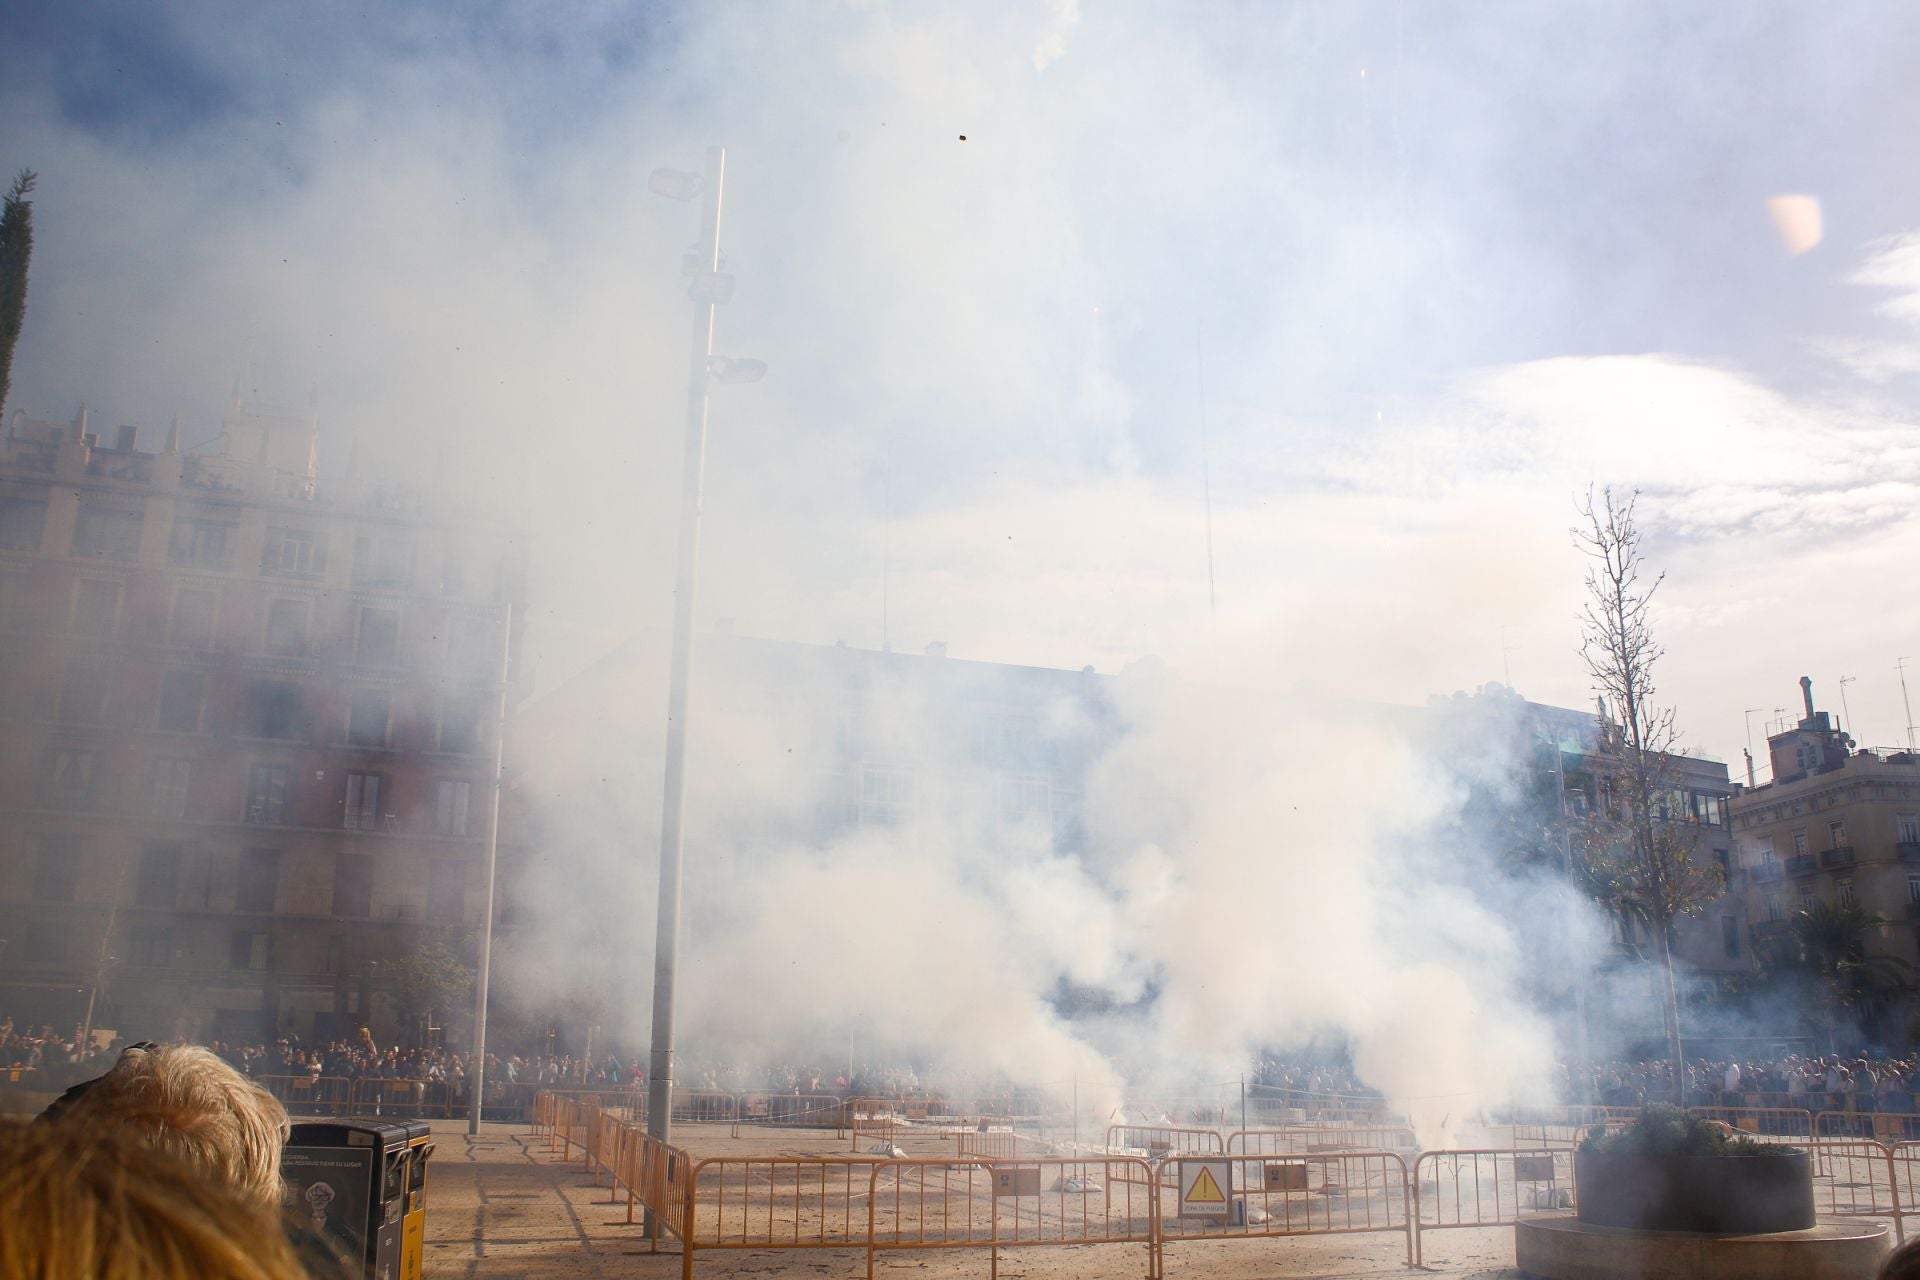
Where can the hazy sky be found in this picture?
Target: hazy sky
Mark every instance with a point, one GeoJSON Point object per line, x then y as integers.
{"type": "Point", "coordinates": [1443, 264]}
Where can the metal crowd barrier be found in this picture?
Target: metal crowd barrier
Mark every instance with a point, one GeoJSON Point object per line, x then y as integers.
{"type": "Point", "coordinates": [311, 1095]}
{"type": "Point", "coordinates": [776, 1202]}
{"type": "Point", "coordinates": [1487, 1187]}
{"type": "Point", "coordinates": [1159, 1140]}
{"type": "Point", "coordinates": [1881, 1126]}
{"type": "Point", "coordinates": [1761, 1123]}
{"type": "Point", "coordinates": [1303, 1140]}
{"type": "Point", "coordinates": [970, 1203]}
{"type": "Point", "coordinates": [1331, 1193]}
{"type": "Point", "coordinates": [991, 1200]}
{"type": "Point", "coordinates": [791, 1110]}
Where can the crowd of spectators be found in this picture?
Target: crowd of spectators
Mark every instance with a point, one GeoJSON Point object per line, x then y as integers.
{"type": "Point", "coordinates": [1809, 1082]}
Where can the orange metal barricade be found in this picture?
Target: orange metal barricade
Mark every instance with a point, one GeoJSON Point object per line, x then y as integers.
{"type": "Point", "coordinates": [1159, 1140]}
{"type": "Point", "coordinates": [311, 1095]}
{"type": "Point", "coordinates": [775, 1202]}
{"type": "Point", "coordinates": [1854, 1178]}
{"type": "Point", "coordinates": [1328, 1193]}
{"type": "Point", "coordinates": [1487, 1187]}
{"type": "Point", "coordinates": [971, 1203]}
{"type": "Point", "coordinates": [412, 1099]}
{"type": "Point", "coordinates": [1300, 1141]}
{"type": "Point", "coordinates": [791, 1110]}
{"type": "Point", "coordinates": [1763, 1124]}
{"type": "Point", "coordinates": [998, 1144]}
{"type": "Point", "coordinates": [1881, 1126]}
{"type": "Point", "coordinates": [706, 1106]}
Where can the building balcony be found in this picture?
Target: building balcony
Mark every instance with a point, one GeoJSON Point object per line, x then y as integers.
{"type": "Point", "coordinates": [1838, 857]}
{"type": "Point", "coordinates": [1765, 872]}
{"type": "Point", "coordinates": [1802, 864]}
{"type": "Point", "coordinates": [1770, 929]}
{"type": "Point", "coordinates": [1913, 911]}
{"type": "Point", "coordinates": [1908, 850]}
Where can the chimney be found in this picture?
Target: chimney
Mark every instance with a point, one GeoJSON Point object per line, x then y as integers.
{"type": "Point", "coordinates": [124, 436]}
{"type": "Point", "coordinates": [1806, 694]}
{"type": "Point", "coordinates": [936, 648]}
{"type": "Point", "coordinates": [173, 435]}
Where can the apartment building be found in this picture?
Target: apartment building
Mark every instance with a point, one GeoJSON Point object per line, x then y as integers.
{"type": "Point", "coordinates": [246, 728]}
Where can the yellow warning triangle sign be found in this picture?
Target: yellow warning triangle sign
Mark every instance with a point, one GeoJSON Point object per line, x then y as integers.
{"type": "Point", "coordinates": [1205, 1190]}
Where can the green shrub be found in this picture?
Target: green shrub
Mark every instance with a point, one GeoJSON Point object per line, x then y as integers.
{"type": "Point", "coordinates": [1664, 1130]}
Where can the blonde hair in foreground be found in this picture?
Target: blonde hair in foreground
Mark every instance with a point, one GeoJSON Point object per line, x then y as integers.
{"type": "Point", "coordinates": [184, 1100]}
{"type": "Point", "coordinates": [78, 1202]}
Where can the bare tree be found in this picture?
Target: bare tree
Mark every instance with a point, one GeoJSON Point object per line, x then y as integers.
{"type": "Point", "coordinates": [1640, 858]}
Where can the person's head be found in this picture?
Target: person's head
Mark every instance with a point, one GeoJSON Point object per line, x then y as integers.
{"type": "Point", "coordinates": [184, 1100]}
{"type": "Point", "coordinates": [1903, 1263]}
{"type": "Point", "coordinates": [84, 1201]}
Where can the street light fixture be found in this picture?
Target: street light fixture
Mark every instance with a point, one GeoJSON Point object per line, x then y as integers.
{"type": "Point", "coordinates": [734, 370]}
{"type": "Point", "coordinates": [674, 184]}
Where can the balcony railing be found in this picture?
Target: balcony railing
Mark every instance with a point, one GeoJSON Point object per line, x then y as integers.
{"type": "Point", "coordinates": [1765, 872]}
{"type": "Point", "coordinates": [1802, 864]}
{"type": "Point", "coordinates": [1841, 855]}
{"type": "Point", "coordinates": [1770, 929]}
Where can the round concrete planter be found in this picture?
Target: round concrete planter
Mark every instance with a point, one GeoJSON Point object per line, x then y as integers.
{"type": "Point", "coordinates": [1742, 1195]}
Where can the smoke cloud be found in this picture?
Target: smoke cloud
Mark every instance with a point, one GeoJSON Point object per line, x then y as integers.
{"type": "Point", "coordinates": [1428, 303]}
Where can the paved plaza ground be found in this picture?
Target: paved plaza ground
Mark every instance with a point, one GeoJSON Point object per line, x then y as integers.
{"type": "Point", "coordinates": [503, 1204]}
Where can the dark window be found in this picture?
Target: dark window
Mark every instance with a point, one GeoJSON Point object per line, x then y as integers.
{"type": "Point", "coordinates": [382, 560]}
{"type": "Point", "coordinates": [473, 651]}
{"type": "Point", "coordinates": [287, 628]}
{"type": "Point", "coordinates": [267, 794]}
{"type": "Point", "coordinates": [259, 880]}
{"type": "Point", "coordinates": [191, 626]}
{"type": "Point", "coordinates": [168, 796]}
{"type": "Point", "coordinates": [110, 533]}
{"type": "Point", "coordinates": [246, 949]}
{"type": "Point", "coordinates": [363, 802]}
{"type": "Point", "coordinates": [96, 609]}
{"type": "Point", "coordinates": [56, 871]}
{"type": "Point", "coordinates": [1730, 935]}
{"type": "Point", "coordinates": [367, 717]}
{"type": "Point", "coordinates": [46, 943]}
{"type": "Point", "coordinates": [460, 722]}
{"type": "Point", "coordinates": [159, 878]}
{"type": "Point", "coordinates": [273, 709]}
{"type": "Point", "coordinates": [83, 695]}
{"type": "Point", "coordinates": [450, 806]}
{"type": "Point", "coordinates": [180, 701]}
{"type": "Point", "coordinates": [21, 520]}
{"type": "Point", "coordinates": [200, 544]}
{"type": "Point", "coordinates": [68, 780]}
{"type": "Point", "coordinates": [447, 892]}
{"type": "Point", "coordinates": [15, 612]}
{"type": "Point", "coordinates": [352, 884]}
{"type": "Point", "coordinates": [294, 553]}
{"type": "Point", "coordinates": [152, 946]}
{"type": "Point", "coordinates": [379, 638]}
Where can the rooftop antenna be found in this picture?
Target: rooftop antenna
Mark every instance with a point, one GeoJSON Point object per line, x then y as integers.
{"type": "Point", "coordinates": [1844, 711]}
{"type": "Point", "coordinates": [1206, 466]}
{"type": "Point", "coordinates": [1751, 712]}
{"type": "Point", "coordinates": [1901, 667]}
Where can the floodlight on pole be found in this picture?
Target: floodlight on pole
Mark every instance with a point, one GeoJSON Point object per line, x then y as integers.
{"type": "Point", "coordinates": [711, 286]}
{"type": "Point", "coordinates": [736, 369]}
{"type": "Point", "coordinates": [674, 184]}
